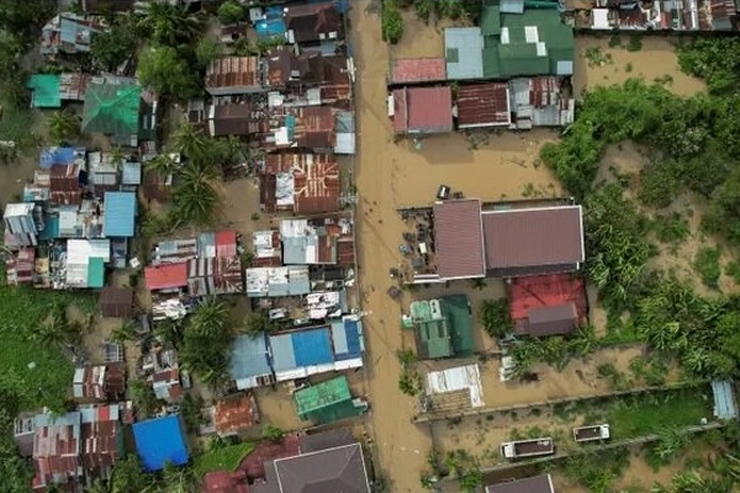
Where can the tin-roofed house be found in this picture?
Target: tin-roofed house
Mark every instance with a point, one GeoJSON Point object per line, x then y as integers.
{"type": "Point", "coordinates": [100, 382]}
{"type": "Point", "coordinates": [20, 226]}
{"type": "Point", "coordinates": [444, 327]}
{"type": "Point", "coordinates": [116, 302]}
{"type": "Point", "coordinates": [251, 365]}
{"type": "Point", "coordinates": [234, 414]}
{"type": "Point", "coordinates": [268, 282]}
{"type": "Point", "coordinates": [68, 33]}
{"type": "Point", "coordinates": [234, 75]}
{"type": "Point", "coordinates": [409, 71]}
{"type": "Point", "coordinates": [483, 105]}
{"type": "Point", "coordinates": [547, 305]}
{"type": "Point", "coordinates": [85, 263]}
{"type": "Point", "coordinates": [161, 440]}
{"type": "Point", "coordinates": [535, 484]}
{"type": "Point", "coordinates": [328, 402]}
{"type": "Point", "coordinates": [103, 172]}
{"type": "Point", "coordinates": [313, 22]}
{"type": "Point", "coordinates": [120, 214]}
{"type": "Point", "coordinates": [421, 110]}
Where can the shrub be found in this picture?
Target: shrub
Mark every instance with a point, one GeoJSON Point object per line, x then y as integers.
{"type": "Point", "coordinates": [230, 13]}
{"type": "Point", "coordinates": [672, 228]}
{"type": "Point", "coordinates": [635, 43]}
{"type": "Point", "coordinates": [706, 264]}
{"type": "Point", "coordinates": [392, 23]}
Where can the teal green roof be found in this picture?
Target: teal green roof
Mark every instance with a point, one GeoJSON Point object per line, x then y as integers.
{"type": "Point", "coordinates": [45, 88]}
{"type": "Point", "coordinates": [457, 309]}
{"type": "Point", "coordinates": [491, 63]}
{"type": "Point", "coordinates": [96, 273]}
{"type": "Point", "coordinates": [490, 20]}
{"type": "Point", "coordinates": [522, 59]}
{"type": "Point", "coordinates": [113, 109]}
{"type": "Point", "coordinates": [326, 402]}
{"type": "Point", "coordinates": [445, 331]}
{"type": "Point", "coordinates": [433, 339]}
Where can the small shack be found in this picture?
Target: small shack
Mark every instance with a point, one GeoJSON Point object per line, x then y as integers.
{"type": "Point", "coordinates": [161, 440]}
{"type": "Point", "coordinates": [328, 402]}
{"type": "Point", "coordinates": [116, 302]}
{"type": "Point", "coordinates": [444, 327]}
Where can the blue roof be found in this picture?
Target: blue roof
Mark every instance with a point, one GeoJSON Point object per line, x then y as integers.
{"type": "Point", "coordinates": [270, 28]}
{"type": "Point", "coordinates": [120, 214]}
{"type": "Point", "coordinates": [249, 357]}
{"type": "Point", "coordinates": [347, 337]}
{"type": "Point", "coordinates": [56, 155]}
{"type": "Point", "coordinates": [160, 440]}
{"type": "Point", "coordinates": [304, 348]}
{"type": "Point", "coordinates": [51, 229]}
{"type": "Point", "coordinates": [724, 400]}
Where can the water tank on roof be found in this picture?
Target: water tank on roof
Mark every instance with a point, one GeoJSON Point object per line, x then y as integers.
{"type": "Point", "coordinates": [435, 309]}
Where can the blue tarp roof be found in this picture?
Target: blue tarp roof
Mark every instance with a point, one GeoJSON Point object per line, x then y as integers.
{"type": "Point", "coordinates": [56, 155]}
{"type": "Point", "coordinates": [347, 339]}
{"type": "Point", "coordinates": [724, 400]}
{"type": "Point", "coordinates": [249, 357]}
{"type": "Point", "coordinates": [120, 214]}
{"type": "Point", "coordinates": [270, 28]}
{"type": "Point", "coordinates": [160, 440]}
{"type": "Point", "coordinates": [303, 348]}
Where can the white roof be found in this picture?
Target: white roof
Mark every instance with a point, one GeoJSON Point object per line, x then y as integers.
{"type": "Point", "coordinates": [458, 378]}
{"type": "Point", "coordinates": [600, 18]}
{"type": "Point", "coordinates": [80, 251]}
{"type": "Point", "coordinates": [18, 209]}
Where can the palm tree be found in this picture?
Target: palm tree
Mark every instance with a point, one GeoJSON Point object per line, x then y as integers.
{"type": "Point", "coordinates": [195, 199]}
{"type": "Point", "coordinates": [177, 479]}
{"type": "Point", "coordinates": [192, 143]}
{"type": "Point", "coordinates": [162, 164]}
{"type": "Point", "coordinates": [210, 318]}
{"type": "Point", "coordinates": [97, 486]}
{"type": "Point", "coordinates": [170, 25]}
{"type": "Point", "coordinates": [117, 156]}
{"type": "Point", "coordinates": [64, 125]}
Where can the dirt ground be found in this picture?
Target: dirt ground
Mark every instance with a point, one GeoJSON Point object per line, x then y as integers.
{"type": "Point", "coordinates": [655, 60]}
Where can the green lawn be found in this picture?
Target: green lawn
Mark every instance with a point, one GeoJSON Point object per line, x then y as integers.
{"type": "Point", "coordinates": [647, 414]}
{"type": "Point", "coordinates": [223, 458]}
{"type": "Point", "coordinates": [49, 379]}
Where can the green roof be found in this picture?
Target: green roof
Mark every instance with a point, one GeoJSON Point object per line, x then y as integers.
{"type": "Point", "coordinates": [45, 88]}
{"type": "Point", "coordinates": [433, 339]}
{"type": "Point", "coordinates": [457, 308]}
{"type": "Point", "coordinates": [490, 20]}
{"type": "Point", "coordinates": [95, 272]}
{"type": "Point", "coordinates": [326, 402]}
{"type": "Point", "coordinates": [522, 59]}
{"type": "Point", "coordinates": [113, 109]}
{"type": "Point", "coordinates": [445, 331]}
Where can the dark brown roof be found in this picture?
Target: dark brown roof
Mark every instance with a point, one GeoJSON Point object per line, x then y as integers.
{"type": "Point", "coordinates": [314, 22]}
{"type": "Point", "coordinates": [64, 184]}
{"type": "Point", "coordinates": [536, 484]}
{"type": "Point", "coordinates": [410, 70]}
{"type": "Point", "coordinates": [117, 302]}
{"type": "Point", "coordinates": [458, 239]}
{"type": "Point", "coordinates": [552, 320]}
{"type": "Point", "coordinates": [483, 105]}
{"type": "Point", "coordinates": [340, 469]}
{"type": "Point", "coordinates": [230, 119]}
{"type": "Point", "coordinates": [327, 439]}
{"type": "Point", "coordinates": [233, 414]}
{"type": "Point", "coordinates": [233, 71]}
{"type": "Point", "coordinates": [533, 237]}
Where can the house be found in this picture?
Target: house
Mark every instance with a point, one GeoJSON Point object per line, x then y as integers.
{"type": "Point", "coordinates": [310, 127]}
{"type": "Point", "coordinates": [20, 225]}
{"type": "Point", "coordinates": [540, 102]}
{"type": "Point", "coordinates": [443, 389]}
{"type": "Point", "coordinates": [159, 441]}
{"type": "Point", "coordinates": [251, 365]}
{"type": "Point", "coordinates": [421, 110]}
{"type": "Point", "coordinates": [215, 276]}
{"type": "Point", "coordinates": [235, 413]}
{"type": "Point", "coordinates": [65, 183]}
{"type": "Point", "coordinates": [409, 71]}
{"type": "Point", "coordinates": [120, 214]}
{"type": "Point", "coordinates": [444, 327]}
{"type": "Point", "coordinates": [68, 33]}
{"type": "Point", "coordinates": [535, 484]}
{"type": "Point", "coordinates": [463, 53]}
{"type": "Point", "coordinates": [327, 402]}
{"type": "Point", "coordinates": [339, 468]}
{"type": "Point", "coordinates": [318, 241]}
{"type": "Point", "coordinates": [85, 265]}
{"type": "Point", "coordinates": [234, 75]}
{"type": "Point", "coordinates": [100, 382]}
{"type": "Point", "coordinates": [175, 251]}
{"type": "Point", "coordinates": [313, 22]}
{"type": "Point", "coordinates": [303, 183]}
{"type": "Point", "coordinates": [116, 302]}
{"type": "Point", "coordinates": [266, 248]}
{"type": "Point", "coordinates": [131, 174]}
{"type": "Point", "coordinates": [163, 373]}
{"type": "Point", "coordinates": [51, 90]}
{"type": "Point", "coordinates": [547, 305]}
{"type": "Point", "coordinates": [166, 277]}
{"type": "Point", "coordinates": [20, 267]}
{"type": "Point", "coordinates": [533, 241]}
{"type": "Point", "coordinates": [291, 280]}
{"type": "Point", "coordinates": [458, 239]}
{"type": "Point", "coordinates": [112, 108]}
{"type": "Point", "coordinates": [483, 106]}
{"type": "Point", "coordinates": [103, 172]}
{"type": "Point", "coordinates": [69, 447]}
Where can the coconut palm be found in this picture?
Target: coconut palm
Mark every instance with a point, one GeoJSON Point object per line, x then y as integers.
{"type": "Point", "coordinates": [170, 25]}
{"type": "Point", "coordinates": [177, 479]}
{"type": "Point", "coordinates": [97, 486]}
{"type": "Point", "coordinates": [196, 200]}
{"type": "Point", "coordinates": [210, 318]}
{"type": "Point", "coordinates": [162, 164]}
{"type": "Point", "coordinates": [64, 125]}
{"type": "Point", "coordinates": [192, 143]}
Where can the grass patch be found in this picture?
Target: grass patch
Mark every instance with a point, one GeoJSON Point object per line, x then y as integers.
{"type": "Point", "coordinates": [47, 382]}
{"type": "Point", "coordinates": [706, 264]}
{"type": "Point", "coordinates": [647, 414]}
{"type": "Point", "coordinates": [227, 457]}
{"type": "Point", "coordinates": [733, 270]}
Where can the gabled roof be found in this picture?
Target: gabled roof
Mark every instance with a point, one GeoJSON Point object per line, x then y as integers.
{"type": "Point", "coordinates": [533, 239]}
{"type": "Point", "coordinates": [169, 276]}
{"type": "Point", "coordinates": [233, 72]}
{"type": "Point", "coordinates": [112, 108]}
{"type": "Point", "coordinates": [340, 469]}
{"type": "Point", "coordinates": [536, 484]}
{"type": "Point", "coordinates": [411, 70]}
{"type": "Point", "coordinates": [483, 105]}
{"type": "Point", "coordinates": [314, 22]}
{"type": "Point", "coordinates": [423, 110]}
{"type": "Point", "coordinates": [236, 413]}
{"type": "Point", "coordinates": [458, 239]}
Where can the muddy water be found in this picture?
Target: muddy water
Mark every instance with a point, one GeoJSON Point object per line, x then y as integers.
{"type": "Point", "coordinates": [656, 59]}
{"type": "Point", "coordinates": [420, 39]}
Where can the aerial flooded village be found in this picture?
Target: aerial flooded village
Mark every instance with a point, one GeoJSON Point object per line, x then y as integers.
{"type": "Point", "coordinates": [369, 246]}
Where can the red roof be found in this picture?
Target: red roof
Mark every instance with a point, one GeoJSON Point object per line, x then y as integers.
{"type": "Point", "coordinates": [458, 239]}
{"type": "Point", "coordinates": [225, 482]}
{"type": "Point", "coordinates": [423, 110]}
{"type": "Point", "coordinates": [409, 70]}
{"type": "Point", "coordinates": [533, 241]}
{"type": "Point", "coordinates": [483, 105]}
{"type": "Point", "coordinates": [226, 244]}
{"type": "Point", "coordinates": [529, 294]}
{"type": "Point", "coordinates": [168, 276]}
{"type": "Point", "coordinates": [236, 413]}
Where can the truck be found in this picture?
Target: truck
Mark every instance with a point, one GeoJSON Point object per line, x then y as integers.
{"type": "Point", "coordinates": [591, 433]}
{"type": "Point", "coordinates": [534, 447]}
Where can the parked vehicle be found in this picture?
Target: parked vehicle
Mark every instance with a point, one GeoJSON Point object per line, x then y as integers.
{"type": "Point", "coordinates": [528, 448]}
{"type": "Point", "coordinates": [591, 433]}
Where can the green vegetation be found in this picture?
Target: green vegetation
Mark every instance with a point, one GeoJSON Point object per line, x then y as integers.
{"type": "Point", "coordinates": [495, 317]}
{"type": "Point", "coordinates": [112, 48]}
{"type": "Point", "coordinates": [409, 381]}
{"type": "Point", "coordinates": [272, 433]}
{"type": "Point", "coordinates": [64, 125]}
{"type": "Point", "coordinates": [635, 43]}
{"type": "Point", "coordinates": [451, 9]}
{"type": "Point", "coordinates": [597, 472]}
{"type": "Point", "coordinates": [465, 469]}
{"type": "Point", "coordinates": [671, 228]}
{"type": "Point", "coordinates": [706, 264]}
{"type": "Point", "coordinates": [392, 22]}
{"type": "Point", "coordinates": [221, 457]}
{"type": "Point", "coordinates": [231, 12]}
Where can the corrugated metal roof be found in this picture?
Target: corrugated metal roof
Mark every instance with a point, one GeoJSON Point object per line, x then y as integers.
{"type": "Point", "coordinates": [45, 90]}
{"type": "Point", "coordinates": [410, 70]}
{"type": "Point", "coordinates": [483, 105]}
{"type": "Point", "coordinates": [120, 214]}
{"type": "Point", "coordinates": [458, 378]}
{"type": "Point", "coordinates": [249, 358]}
{"type": "Point", "coordinates": [535, 484]}
{"type": "Point", "coordinates": [233, 72]}
{"type": "Point", "coordinates": [458, 239]}
{"type": "Point", "coordinates": [724, 400]}
{"type": "Point", "coordinates": [235, 413]}
{"type": "Point", "coordinates": [322, 395]}
{"type": "Point", "coordinates": [464, 53]}
{"type": "Point", "coordinates": [347, 338]}
{"type": "Point", "coordinates": [167, 276]}
{"type": "Point", "coordinates": [131, 174]}
{"type": "Point", "coordinates": [423, 110]}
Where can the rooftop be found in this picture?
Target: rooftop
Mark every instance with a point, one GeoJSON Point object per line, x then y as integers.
{"type": "Point", "coordinates": [536, 484]}
{"type": "Point", "coordinates": [459, 239]}
{"type": "Point", "coordinates": [112, 108]}
{"type": "Point", "coordinates": [563, 294]}
{"type": "Point", "coordinates": [235, 413]}
{"type": "Point", "coordinates": [422, 110]}
{"type": "Point", "coordinates": [86, 259]}
{"type": "Point", "coordinates": [120, 214]}
{"type": "Point", "coordinates": [232, 75]}
{"type": "Point", "coordinates": [291, 280]}
{"type": "Point", "coordinates": [483, 105]}
{"type": "Point", "coordinates": [326, 402]}
{"type": "Point", "coordinates": [250, 362]}
{"type": "Point", "coordinates": [310, 183]}
{"type": "Point", "coordinates": [533, 241]}
{"type": "Point", "coordinates": [160, 440]}
{"type": "Point", "coordinates": [464, 53]}
{"type": "Point", "coordinates": [313, 22]}
{"type": "Point", "coordinates": [413, 70]}
{"type": "Point", "coordinates": [168, 276]}
{"type": "Point", "coordinates": [337, 469]}
{"type": "Point", "coordinates": [444, 327]}
{"type": "Point", "coordinates": [116, 302]}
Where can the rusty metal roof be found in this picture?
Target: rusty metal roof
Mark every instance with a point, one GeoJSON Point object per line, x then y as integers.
{"type": "Point", "coordinates": [410, 70]}
{"type": "Point", "coordinates": [236, 413]}
{"type": "Point", "coordinates": [483, 105]}
{"type": "Point", "coordinates": [458, 239]}
{"type": "Point", "coordinates": [233, 71]}
{"type": "Point", "coordinates": [518, 238]}
{"type": "Point", "coordinates": [423, 110]}
{"type": "Point", "coordinates": [117, 302]}
{"type": "Point", "coordinates": [314, 22]}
